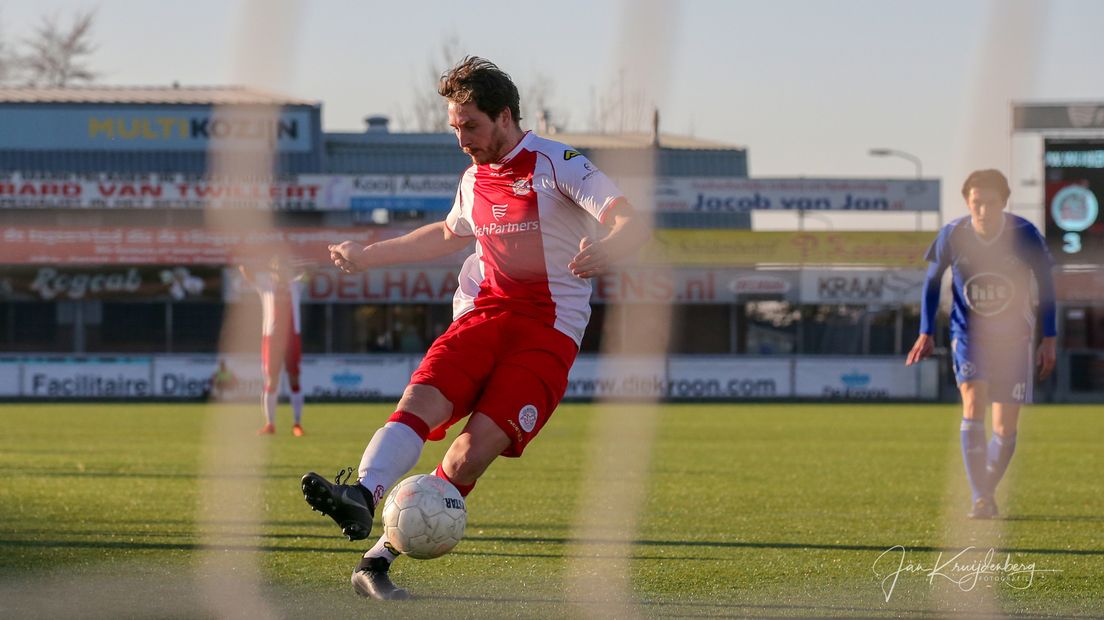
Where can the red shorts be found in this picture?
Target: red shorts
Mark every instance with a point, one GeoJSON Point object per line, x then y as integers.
{"type": "Point", "coordinates": [509, 367]}
{"type": "Point", "coordinates": [276, 350]}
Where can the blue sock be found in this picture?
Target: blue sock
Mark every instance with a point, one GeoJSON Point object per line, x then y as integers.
{"type": "Point", "coordinates": [1000, 454]}
{"type": "Point", "coordinates": [973, 456]}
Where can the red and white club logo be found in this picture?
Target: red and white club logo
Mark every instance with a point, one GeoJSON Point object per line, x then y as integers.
{"type": "Point", "coordinates": [521, 187]}
{"type": "Point", "coordinates": [499, 211]}
{"type": "Point", "coordinates": [527, 417]}
{"type": "Point", "coordinates": [988, 294]}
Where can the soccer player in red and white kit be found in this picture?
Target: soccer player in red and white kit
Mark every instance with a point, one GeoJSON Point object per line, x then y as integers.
{"type": "Point", "coordinates": [281, 346]}
{"type": "Point", "coordinates": [544, 219]}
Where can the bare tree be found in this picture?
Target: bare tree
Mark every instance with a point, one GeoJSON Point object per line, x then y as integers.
{"type": "Point", "coordinates": [55, 53]}
{"type": "Point", "coordinates": [8, 64]}
{"type": "Point", "coordinates": [429, 113]}
{"type": "Point", "coordinates": [621, 107]}
{"type": "Point", "coordinates": [537, 108]}
{"type": "Point", "coordinates": [8, 60]}
{"type": "Point", "coordinates": [428, 110]}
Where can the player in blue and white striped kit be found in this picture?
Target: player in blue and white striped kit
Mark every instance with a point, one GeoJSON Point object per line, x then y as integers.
{"type": "Point", "coordinates": [993, 257]}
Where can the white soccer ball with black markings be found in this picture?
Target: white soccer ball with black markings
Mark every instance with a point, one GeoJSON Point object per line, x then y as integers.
{"type": "Point", "coordinates": [424, 517]}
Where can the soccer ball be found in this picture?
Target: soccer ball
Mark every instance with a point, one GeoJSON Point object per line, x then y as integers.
{"type": "Point", "coordinates": [424, 517]}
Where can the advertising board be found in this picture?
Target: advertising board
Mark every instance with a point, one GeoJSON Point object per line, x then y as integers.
{"type": "Point", "coordinates": [853, 378]}
{"type": "Point", "coordinates": [739, 195]}
{"type": "Point", "coordinates": [154, 128]}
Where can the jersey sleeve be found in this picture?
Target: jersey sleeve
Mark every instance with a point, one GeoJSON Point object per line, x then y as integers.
{"type": "Point", "coordinates": [587, 186]}
{"type": "Point", "coordinates": [457, 221]}
{"type": "Point", "coordinates": [938, 258]}
{"type": "Point", "coordinates": [1042, 266]}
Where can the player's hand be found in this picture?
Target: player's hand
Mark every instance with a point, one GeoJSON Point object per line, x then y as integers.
{"type": "Point", "coordinates": [921, 350]}
{"type": "Point", "coordinates": [1045, 357]}
{"type": "Point", "coordinates": [343, 254]}
{"type": "Point", "coordinates": [591, 260]}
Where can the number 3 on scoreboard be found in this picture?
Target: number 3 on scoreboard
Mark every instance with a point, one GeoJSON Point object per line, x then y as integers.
{"type": "Point", "coordinates": [1073, 243]}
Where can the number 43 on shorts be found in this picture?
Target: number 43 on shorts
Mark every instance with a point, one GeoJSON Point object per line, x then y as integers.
{"type": "Point", "coordinates": [1019, 391]}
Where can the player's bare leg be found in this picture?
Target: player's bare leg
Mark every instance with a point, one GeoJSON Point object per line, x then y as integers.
{"type": "Point", "coordinates": [473, 451]}
{"type": "Point", "coordinates": [393, 450]}
{"type": "Point", "coordinates": [1006, 418]}
{"type": "Point", "coordinates": [470, 454]}
{"type": "Point", "coordinates": [272, 359]}
{"type": "Point", "coordinates": [296, 404]}
{"type": "Point", "coordinates": [975, 400]}
{"type": "Point", "coordinates": [269, 399]}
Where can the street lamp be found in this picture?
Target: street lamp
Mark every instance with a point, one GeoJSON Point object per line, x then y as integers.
{"type": "Point", "coordinates": [919, 171]}
{"type": "Point", "coordinates": [895, 153]}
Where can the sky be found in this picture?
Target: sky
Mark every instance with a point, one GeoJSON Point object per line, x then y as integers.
{"type": "Point", "coordinates": [807, 86]}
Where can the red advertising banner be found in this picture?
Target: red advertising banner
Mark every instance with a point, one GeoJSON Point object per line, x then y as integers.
{"type": "Point", "coordinates": [437, 285]}
{"type": "Point", "coordinates": [305, 192]}
{"type": "Point", "coordinates": [411, 285]}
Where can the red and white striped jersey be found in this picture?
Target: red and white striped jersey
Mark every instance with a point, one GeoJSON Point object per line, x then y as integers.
{"type": "Point", "coordinates": [279, 304]}
{"type": "Point", "coordinates": [528, 213]}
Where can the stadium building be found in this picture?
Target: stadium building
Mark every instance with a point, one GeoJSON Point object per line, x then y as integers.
{"type": "Point", "coordinates": [108, 269]}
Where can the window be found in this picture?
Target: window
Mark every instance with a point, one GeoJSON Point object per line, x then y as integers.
{"type": "Point", "coordinates": [833, 330]}
{"type": "Point", "coordinates": [196, 327]}
{"type": "Point", "coordinates": [126, 327]}
{"type": "Point", "coordinates": [312, 327]}
{"type": "Point", "coordinates": [360, 328]}
{"type": "Point", "coordinates": [1086, 372]}
{"type": "Point", "coordinates": [701, 329]}
{"type": "Point", "coordinates": [882, 331]}
{"type": "Point", "coordinates": [408, 329]}
{"type": "Point", "coordinates": [1083, 328]}
{"type": "Point", "coordinates": [35, 326]}
{"type": "Point", "coordinates": [910, 326]}
{"type": "Point", "coordinates": [240, 328]}
{"type": "Point", "coordinates": [1094, 327]}
{"type": "Point", "coordinates": [770, 328]}
{"type": "Point", "coordinates": [438, 319]}
{"type": "Point", "coordinates": [592, 337]}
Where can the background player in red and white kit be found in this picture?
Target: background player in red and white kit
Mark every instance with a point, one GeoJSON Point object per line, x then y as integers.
{"type": "Point", "coordinates": [281, 346]}
{"type": "Point", "coordinates": [544, 219]}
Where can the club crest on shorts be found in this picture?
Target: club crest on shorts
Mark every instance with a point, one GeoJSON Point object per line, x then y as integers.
{"type": "Point", "coordinates": [967, 369]}
{"type": "Point", "coordinates": [527, 417]}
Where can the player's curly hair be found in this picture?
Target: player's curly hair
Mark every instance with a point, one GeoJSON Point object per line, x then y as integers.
{"type": "Point", "coordinates": [987, 179]}
{"type": "Point", "coordinates": [479, 80]}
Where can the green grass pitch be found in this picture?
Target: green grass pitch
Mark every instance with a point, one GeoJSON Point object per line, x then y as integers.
{"type": "Point", "coordinates": [751, 510]}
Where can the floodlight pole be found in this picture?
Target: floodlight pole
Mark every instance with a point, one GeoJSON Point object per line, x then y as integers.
{"type": "Point", "coordinates": [883, 152]}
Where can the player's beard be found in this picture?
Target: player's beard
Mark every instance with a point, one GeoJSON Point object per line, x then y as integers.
{"type": "Point", "coordinates": [495, 150]}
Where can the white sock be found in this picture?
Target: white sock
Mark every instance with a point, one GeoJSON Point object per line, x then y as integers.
{"type": "Point", "coordinates": [297, 406]}
{"type": "Point", "coordinates": [269, 403]}
{"type": "Point", "coordinates": [382, 549]}
{"type": "Point", "coordinates": [394, 449]}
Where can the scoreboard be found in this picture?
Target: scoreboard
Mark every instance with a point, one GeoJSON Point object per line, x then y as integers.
{"type": "Point", "coordinates": [1074, 173]}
